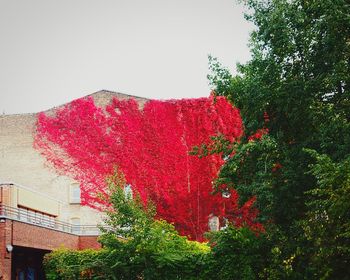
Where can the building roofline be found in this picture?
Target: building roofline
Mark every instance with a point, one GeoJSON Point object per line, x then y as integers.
{"type": "Point", "coordinates": [88, 95]}
{"type": "Point", "coordinates": [116, 93]}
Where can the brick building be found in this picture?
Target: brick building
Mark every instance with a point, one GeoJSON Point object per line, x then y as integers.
{"type": "Point", "coordinates": [39, 209]}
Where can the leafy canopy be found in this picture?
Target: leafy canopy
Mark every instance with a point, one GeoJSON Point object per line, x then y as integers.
{"type": "Point", "coordinates": [296, 86]}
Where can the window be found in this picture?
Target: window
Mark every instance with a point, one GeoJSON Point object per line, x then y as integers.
{"type": "Point", "coordinates": [128, 191]}
{"type": "Point", "coordinates": [74, 194]}
{"type": "Point", "coordinates": [226, 194]}
{"type": "Point", "coordinates": [213, 223]}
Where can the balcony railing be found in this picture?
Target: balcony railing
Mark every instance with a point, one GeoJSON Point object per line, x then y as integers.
{"type": "Point", "coordinates": [46, 221]}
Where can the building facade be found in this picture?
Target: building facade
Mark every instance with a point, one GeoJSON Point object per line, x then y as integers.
{"type": "Point", "coordinates": [40, 210]}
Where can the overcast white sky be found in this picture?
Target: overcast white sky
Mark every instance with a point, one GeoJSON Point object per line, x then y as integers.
{"type": "Point", "coordinates": [54, 51]}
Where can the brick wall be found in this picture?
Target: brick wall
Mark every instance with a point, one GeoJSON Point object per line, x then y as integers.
{"type": "Point", "coordinates": [5, 257]}
{"type": "Point", "coordinates": [31, 236]}
{"type": "Point", "coordinates": [86, 242]}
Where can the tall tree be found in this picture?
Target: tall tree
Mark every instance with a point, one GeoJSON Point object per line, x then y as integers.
{"type": "Point", "coordinates": [299, 76]}
{"type": "Point", "coordinates": [296, 86]}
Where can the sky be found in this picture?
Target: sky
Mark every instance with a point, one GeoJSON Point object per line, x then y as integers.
{"type": "Point", "coordinates": [52, 52]}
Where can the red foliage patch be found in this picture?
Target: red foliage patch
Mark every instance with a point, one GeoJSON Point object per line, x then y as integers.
{"type": "Point", "coordinates": [151, 147]}
{"type": "Point", "coordinates": [258, 134]}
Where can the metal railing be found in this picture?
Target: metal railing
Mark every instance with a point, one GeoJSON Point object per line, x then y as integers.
{"type": "Point", "coordinates": [46, 221]}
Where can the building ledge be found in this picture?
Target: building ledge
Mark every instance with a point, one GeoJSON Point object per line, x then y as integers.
{"type": "Point", "coordinates": [46, 221]}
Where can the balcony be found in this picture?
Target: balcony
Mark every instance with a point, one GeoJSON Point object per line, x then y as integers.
{"type": "Point", "coordinates": [46, 221]}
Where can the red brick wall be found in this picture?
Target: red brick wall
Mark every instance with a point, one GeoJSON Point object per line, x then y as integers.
{"type": "Point", "coordinates": [5, 257]}
{"type": "Point", "coordinates": [27, 235]}
{"type": "Point", "coordinates": [31, 236]}
{"type": "Point", "coordinates": [42, 238]}
{"type": "Point", "coordinates": [88, 242]}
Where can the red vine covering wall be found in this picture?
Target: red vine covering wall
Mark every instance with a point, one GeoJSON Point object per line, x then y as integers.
{"type": "Point", "coordinates": [151, 147]}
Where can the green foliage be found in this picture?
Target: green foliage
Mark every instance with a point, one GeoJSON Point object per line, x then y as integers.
{"type": "Point", "coordinates": [251, 171]}
{"type": "Point", "coordinates": [127, 216]}
{"type": "Point", "coordinates": [327, 224]}
{"type": "Point", "coordinates": [299, 75]}
{"type": "Point", "coordinates": [237, 253]}
{"type": "Point", "coordinates": [220, 77]}
{"type": "Point", "coordinates": [67, 264]}
{"type": "Point", "coordinates": [153, 249]}
{"type": "Point", "coordinates": [300, 55]}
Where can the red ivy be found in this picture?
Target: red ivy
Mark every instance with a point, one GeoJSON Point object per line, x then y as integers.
{"type": "Point", "coordinates": [151, 147]}
{"type": "Point", "coordinates": [258, 134]}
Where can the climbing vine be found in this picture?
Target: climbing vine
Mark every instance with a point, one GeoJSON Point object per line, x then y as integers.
{"type": "Point", "coordinates": [151, 147]}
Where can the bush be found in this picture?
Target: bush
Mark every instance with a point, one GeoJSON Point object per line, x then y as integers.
{"type": "Point", "coordinates": [71, 264]}
{"type": "Point", "coordinates": [237, 253]}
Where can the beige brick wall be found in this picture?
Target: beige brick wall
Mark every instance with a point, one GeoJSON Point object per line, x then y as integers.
{"type": "Point", "coordinates": [22, 164]}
